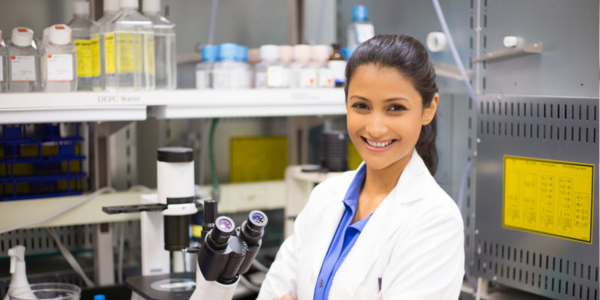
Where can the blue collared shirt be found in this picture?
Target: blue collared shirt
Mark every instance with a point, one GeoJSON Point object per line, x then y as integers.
{"type": "Point", "coordinates": [344, 239]}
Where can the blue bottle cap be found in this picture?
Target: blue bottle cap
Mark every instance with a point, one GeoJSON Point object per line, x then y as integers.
{"type": "Point", "coordinates": [99, 297]}
{"type": "Point", "coordinates": [347, 52]}
{"type": "Point", "coordinates": [241, 53]}
{"type": "Point", "coordinates": [209, 53]}
{"type": "Point", "coordinates": [227, 51]}
{"type": "Point", "coordinates": [360, 13]}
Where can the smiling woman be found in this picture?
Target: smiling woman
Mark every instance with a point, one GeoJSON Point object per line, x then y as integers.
{"type": "Point", "coordinates": [386, 230]}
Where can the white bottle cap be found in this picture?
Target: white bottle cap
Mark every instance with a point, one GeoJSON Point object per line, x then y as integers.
{"type": "Point", "coordinates": [129, 4]}
{"type": "Point", "coordinates": [269, 52]}
{"type": "Point", "coordinates": [511, 41]}
{"type": "Point", "coordinates": [320, 52]}
{"type": "Point", "coordinates": [254, 55]}
{"type": "Point", "coordinates": [286, 53]}
{"type": "Point", "coordinates": [436, 41]}
{"type": "Point", "coordinates": [111, 5]}
{"type": "Point", "coordinates": [81, 8]}
{"type": "Point", "coordinates": [59, 34]}
{"type": "Point", "coordinates": [22, 36]}
{"type": "Point", "coordinates": [302, 52]}
{"type": "Point", "coordinates": [151, 6]}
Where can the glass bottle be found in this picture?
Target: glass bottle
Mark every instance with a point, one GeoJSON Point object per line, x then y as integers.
{"type": "Point", "coordinates": [360, 29]}
{"type": "Point", "coordinates": [204, 70]}
{"type": "Point", "coordinates": [59, 61]}
{"type": "Point", "coordinates": [80, 25]}
{"type": "Point", "coordinates": [337, 65]}
{"type": "Point", "coordinates": [111, 10]}
{"type": "Point", "coordinates": [286, 53]}
{"type": "Point", "coordinates": [165, 51]}
{"type": "Point", "coordinates": [3, 66]}
{"type": "Point", "coordinates": [320, 59]}
{"type": "Point", "coordinates": [304, 75]}
{"type": "Point", "coordinates": [226, 70]}
{"type": "Point", "coordinates": [269, 73]}
{"type": "Point", "coordinates": [24, 62]}
{"type": "Point", "coordinates": [244, 72]}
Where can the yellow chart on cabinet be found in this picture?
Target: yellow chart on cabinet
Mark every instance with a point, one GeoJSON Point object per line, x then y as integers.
{"type": "Point", "coordinates": [554, 198]}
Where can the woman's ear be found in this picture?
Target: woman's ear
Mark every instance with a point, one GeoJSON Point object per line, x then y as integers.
{"type": "Point", "coordinates": [429, 112]}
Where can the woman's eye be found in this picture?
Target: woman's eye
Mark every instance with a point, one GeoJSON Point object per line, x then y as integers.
{"type": "Point", "coordinates": [359, 105]}
{"type": "Point", "coordinates": [397, 108]}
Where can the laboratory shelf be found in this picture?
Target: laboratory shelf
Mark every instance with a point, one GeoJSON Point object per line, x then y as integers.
{"type": "Point", "coordinates": [17, 108]}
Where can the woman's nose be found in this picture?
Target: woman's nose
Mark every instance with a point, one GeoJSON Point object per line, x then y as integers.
{"type": "Point", "coordinates": [376, 127]}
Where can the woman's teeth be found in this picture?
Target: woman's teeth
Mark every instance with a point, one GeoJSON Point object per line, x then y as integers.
{"type": "Point", "coordinates": [379, 144]}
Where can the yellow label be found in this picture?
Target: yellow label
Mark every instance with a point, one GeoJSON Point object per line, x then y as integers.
{"type": "Point", "coordinates": [125, 52]}
{"type": "Point", "coordinates": [196, 231]}
{"type": "Point", "coordinates": [109, 53]}
{"type": "Point", "coordinates": [150, 51]}
{"type": "Point", "coordinates": [554, 198]}
{"type": "Point", "coordinates": [95, 55]}
{"type": "Point", "coordinates": [83, 49]}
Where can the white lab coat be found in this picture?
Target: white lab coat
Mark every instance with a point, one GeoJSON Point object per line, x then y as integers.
{"type": "Point", "coordinates": [413, 242]}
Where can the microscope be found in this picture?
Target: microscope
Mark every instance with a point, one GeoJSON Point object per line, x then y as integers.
{"type": "Point", "coordinates": [225, 252]}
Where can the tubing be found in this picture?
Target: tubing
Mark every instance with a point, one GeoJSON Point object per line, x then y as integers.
{"type": "Point", "coordinates": [69, 257]}
{"type": "Point", "coordinates": [213, 21]}
{"type": "Point", "coordinates": [213, 168]}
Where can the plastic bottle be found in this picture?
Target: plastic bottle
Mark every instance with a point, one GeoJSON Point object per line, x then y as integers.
{"type": "Point", "coordinates": [133, 55]}
{"type": "Point", "coordinates": [360, 29]}
{"type": "Point", "coordinates": [59, 61]}
{"type": "Point", "coordinates": [3, 66]}
{"type": "Point", "coordinates": [18, 277]}
{"type": "Point", "coordinates": [165, 51]}
{"type": "Point", "coordinates": [286, 53]}
{"type": "Point", "coordinates": [337, 65]}
{"type": "Point", "coordinates": [253, 60]}
{"type": "Point", "coordinates": [320, 59]}
{"type": "Point", "coordinates": [244, 72]}
{"type": "Point", "coordinates": [303, 74]}
{"type": "Point", "coordinates": [80, 26]}
{"type": "Point", "coordinates": [111, 10]}
{"type": "Point", "coordinates": [269, 73]}
{"type": "Point", "coordinates": [24, 63]}
{"type": "Point", "coordinates": [204, 70]}
{"type": "Point", "coordinates": [226, 70]}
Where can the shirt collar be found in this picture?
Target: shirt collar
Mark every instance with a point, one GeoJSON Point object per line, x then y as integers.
{"type": "Point", "coordinates": [351, 198]}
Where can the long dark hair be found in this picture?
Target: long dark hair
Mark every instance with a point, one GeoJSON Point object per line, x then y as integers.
{"type": "Point", "coordinates": [410, 58]}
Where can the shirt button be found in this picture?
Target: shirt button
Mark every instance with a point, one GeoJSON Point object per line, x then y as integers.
{"type": "Point", "coordinates": [321, 283]}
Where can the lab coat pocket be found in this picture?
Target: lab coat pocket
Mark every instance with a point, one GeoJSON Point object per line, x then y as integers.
{"type": "Point", "coordinates": [364, 293]}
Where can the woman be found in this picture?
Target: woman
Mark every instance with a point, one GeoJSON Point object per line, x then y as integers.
{"type": "Point", "coordinates": [387, 230]}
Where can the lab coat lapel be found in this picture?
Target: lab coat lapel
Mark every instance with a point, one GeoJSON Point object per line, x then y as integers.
{"type": "Point", "coordinates": [385, 221]}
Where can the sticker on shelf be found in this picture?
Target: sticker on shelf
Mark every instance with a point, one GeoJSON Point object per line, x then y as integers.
{"type": "Point", "coordinates": [60, 67]}
{"type": "Point", "coordinates": [22, 68]}
{"type": "Point", "coordinates": [554, 198]}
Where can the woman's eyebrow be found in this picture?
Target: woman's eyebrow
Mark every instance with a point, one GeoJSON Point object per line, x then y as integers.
{"type": "Point", "coordinates": [386, 100]}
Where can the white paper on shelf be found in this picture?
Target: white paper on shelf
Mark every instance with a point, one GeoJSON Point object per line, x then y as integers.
{"type": "Point", "coordinates": [23, 68]}
{"type": "Point", "coordinates": [60, 67]}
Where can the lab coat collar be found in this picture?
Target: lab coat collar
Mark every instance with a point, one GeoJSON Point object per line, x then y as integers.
{"type": "Point", "coordinates": [389, 216]}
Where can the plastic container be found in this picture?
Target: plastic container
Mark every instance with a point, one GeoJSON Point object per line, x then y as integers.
{"type": "Point", "coordinates": [25, 61]}
{"type": "Point", "coordinates": [253, 60]}
{"type": "Point", "coordinates": [304, 75]}
{"type": "Point", "coordinates": [269, 72]}
{"type": "Point", "coordinates": [245, 72]}
{"type": "Point", "coordinates": [133, 37]}
{"type": "Point", "coordinates": [48, 291]}
{"type": "Point", "coordinates": [286, 53]}
{"type": "Point", "coordinates": [80, 26]}
{"type": "Point", "coordinates": [111, 10]}
{"type": "Point", "coordinates": [226, 70]}
{"type": "Point", "coordinates": [320, 60]}
{"type": "Point", "coordinates": [204, 70]}
{"type": "Point", "coordinates": [360, 29]}
{"type": "Point", "coordinates": [59, 61]}
{"type": "Point", "coordinates": [337, 65]}
{"type": "Point", "coordinates": [165, 50]}
{"type": "Point", "coordinates": [3, 66]}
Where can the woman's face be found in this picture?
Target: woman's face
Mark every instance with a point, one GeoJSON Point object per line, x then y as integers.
{"type": "Point", "coordinates": [385, 115]}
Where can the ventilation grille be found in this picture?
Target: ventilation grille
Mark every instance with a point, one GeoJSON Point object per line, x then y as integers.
{"type": "Point", "coordinates": [541, 121]}
{"type": "Point", "coordinates": [552, 276]}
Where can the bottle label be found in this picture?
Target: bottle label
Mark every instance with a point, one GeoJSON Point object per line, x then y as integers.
{"type": "Point", "coordinates": [338, 70]}
{"type": "Point", "coordinates": [308, 78]}
{"type": "Point", "coordinates": [1, 69]}
{"type": "Point", "coordinates": [60, 67]}
{"type": "Point", "coordinates": [201, 79]}
{"type": "Point", "coordinates": [150, 41]}
{"type": "Point", "coordinates": [95, 41]}
{"type": "Point", "coordinates": [325, 78]}
{"type": "Point", "coordinates": [85, 68]}
{"type": "Point", "coordinates": [125, 52]}
{"type": "Point", "coordinates": [22, 68]}
{"type": "Point", "coordinates": [224, 79]}
{"type": "Point", "coordinates": [109, 53]}
{"type": "Point", "coordinates": [364, 32]}
{"type": "Point", "coordinates": [275, 76]}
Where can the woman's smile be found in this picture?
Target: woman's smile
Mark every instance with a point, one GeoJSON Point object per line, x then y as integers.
{"type": "Point", "coordinates": [378, 145]}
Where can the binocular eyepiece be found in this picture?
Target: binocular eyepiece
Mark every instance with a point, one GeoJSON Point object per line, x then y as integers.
{"type": "Point", "coordinates": [224, 228]}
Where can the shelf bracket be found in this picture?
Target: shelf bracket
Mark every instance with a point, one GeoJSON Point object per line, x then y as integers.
{"type": "Point", "coordinates": [450, 71]}
{"type": "Point", "coordinates": [534, 48]}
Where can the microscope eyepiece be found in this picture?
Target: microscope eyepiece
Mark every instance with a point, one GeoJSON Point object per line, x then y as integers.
{"type": "Point", "coordinates": [224, 228]}
{"type": "Point", "coordinates": [257, 220]}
